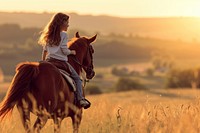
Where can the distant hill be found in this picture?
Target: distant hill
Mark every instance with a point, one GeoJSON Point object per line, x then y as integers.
{"type": "Point", "coordinates": [119, 50]}
{"type": "Point", "coordinates": [19, 44]}
{"type": "Point", "coordinates": [165, 28]}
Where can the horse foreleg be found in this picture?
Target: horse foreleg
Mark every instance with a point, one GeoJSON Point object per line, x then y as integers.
{"type": "Point", "coordinates": [57, 124]}
{"type": "Point", "coordinates": [76, 120]}
{"type": "Point", "coordinates": [25, 117]}
{"type": "Point", "coordinates": [39, 123]}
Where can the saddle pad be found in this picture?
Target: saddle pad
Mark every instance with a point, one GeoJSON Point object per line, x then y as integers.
{"type": "Point", "coordinates": [68, 79]}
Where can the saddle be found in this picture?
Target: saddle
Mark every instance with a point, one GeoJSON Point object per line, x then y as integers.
{"type": "Point", "coordinates": [64, 70]}
{"type": "Point", "coordinates": [68, 79]}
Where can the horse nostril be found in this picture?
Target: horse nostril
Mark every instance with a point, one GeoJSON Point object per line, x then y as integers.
{"type": "Point", "coordinates": [91, 75]}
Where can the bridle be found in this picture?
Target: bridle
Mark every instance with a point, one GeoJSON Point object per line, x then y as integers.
{"type": "Point", "coordinates": [90, 51]}
{"type": "Point", "coordinates": [87, 69]}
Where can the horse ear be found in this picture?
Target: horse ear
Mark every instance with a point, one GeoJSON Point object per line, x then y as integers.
{"type": "Point", "coordinates": [77, 35]}
{"type": "Point", "coordinates": [92, 39]}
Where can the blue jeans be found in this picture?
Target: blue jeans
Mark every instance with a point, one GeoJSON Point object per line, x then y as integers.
{"type": "Point", "coordinates": [78, 82]}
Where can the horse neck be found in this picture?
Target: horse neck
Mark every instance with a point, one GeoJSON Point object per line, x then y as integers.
{"type": "Point", "coordinates": [79, 56]}
{"type": "Point", "coordinates": [76, 67]}
{"type": "Point", "coordinates": [74, 64]}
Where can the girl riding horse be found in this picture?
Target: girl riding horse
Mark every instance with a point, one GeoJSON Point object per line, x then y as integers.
{"type": "Point", "coordinates": [54, 40]}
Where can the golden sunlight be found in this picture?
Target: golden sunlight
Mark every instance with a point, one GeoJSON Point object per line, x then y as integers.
{"type": "Point", "coordinates": [122, 8]}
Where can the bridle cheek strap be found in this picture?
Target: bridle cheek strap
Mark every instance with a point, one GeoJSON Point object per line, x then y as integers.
{"type": "Point", "coordinates": [83, 78]}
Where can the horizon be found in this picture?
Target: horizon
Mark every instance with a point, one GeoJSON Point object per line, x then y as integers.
{"type": "Point", "coordinates": [99, 15]}
{"type": "Point", "coordinates": [120, 8]}
{"type": "Point", "coordinates": [185, 29]}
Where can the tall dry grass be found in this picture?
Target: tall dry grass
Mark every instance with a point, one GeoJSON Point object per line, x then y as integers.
{"type": "Point", "coordinates": [172, 111]}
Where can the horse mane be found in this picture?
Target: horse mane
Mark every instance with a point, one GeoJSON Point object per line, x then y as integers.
{"type": "Point", "coordinates": [76, 41]}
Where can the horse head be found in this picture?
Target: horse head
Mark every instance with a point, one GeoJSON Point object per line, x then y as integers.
{"type": "Point", "coordinates": [84, 53]}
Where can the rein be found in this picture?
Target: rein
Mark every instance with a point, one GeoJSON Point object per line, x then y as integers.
{"type": "Point", "coordinates": [74, 58]}
{"type": "Point", "coordinates": [85, 80]}
{"type": "Point", "coordinates": [78, 62]}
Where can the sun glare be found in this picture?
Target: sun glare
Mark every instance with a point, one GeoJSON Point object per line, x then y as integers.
{"type": "Point", "coordinates": [123, 8]}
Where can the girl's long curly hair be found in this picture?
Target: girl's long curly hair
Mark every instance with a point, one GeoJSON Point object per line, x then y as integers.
{"type": "Point", "coordinates": [50, 35]}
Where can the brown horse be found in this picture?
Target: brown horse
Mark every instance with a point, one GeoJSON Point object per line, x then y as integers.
{"type": "Point", "coordinates": [40, 88]}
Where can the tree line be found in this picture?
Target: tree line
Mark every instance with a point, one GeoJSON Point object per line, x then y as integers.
{"type": "Point", "coordinates": [20, 44]}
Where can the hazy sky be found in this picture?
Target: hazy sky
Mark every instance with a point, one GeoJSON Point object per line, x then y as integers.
{"type": "Point", "coordinates": [123, 8]}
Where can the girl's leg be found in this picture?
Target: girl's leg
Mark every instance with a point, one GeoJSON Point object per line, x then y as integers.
{"type": "Point", "coordinates": [82, 101]}
{"type": "Point", "coordinates": [78, 82]}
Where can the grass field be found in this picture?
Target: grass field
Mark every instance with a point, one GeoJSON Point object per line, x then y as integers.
{"type": "Point", "coordinates": [156, 110]}
{"type": "Point", "coordinates": [152, 111]}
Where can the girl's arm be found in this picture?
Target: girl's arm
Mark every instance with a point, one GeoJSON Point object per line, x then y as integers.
{"type": "Point", "coordinates": [63, 44]}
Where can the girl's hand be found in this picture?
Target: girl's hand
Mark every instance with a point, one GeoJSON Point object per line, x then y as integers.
{"type": "Point", "coordinates": [73, 52]}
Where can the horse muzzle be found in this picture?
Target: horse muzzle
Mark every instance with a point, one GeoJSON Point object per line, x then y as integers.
{"type": "Point", "coordinates": [90, 75]}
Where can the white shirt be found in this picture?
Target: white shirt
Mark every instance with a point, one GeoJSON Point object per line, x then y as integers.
{"type": "Point", "coordinates": [59, 52]}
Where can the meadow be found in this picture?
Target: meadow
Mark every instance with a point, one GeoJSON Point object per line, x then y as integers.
{"type": "Point", "coordinates": [155, 110]}
{"type": "Point", "coordinates": [152, 111]}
